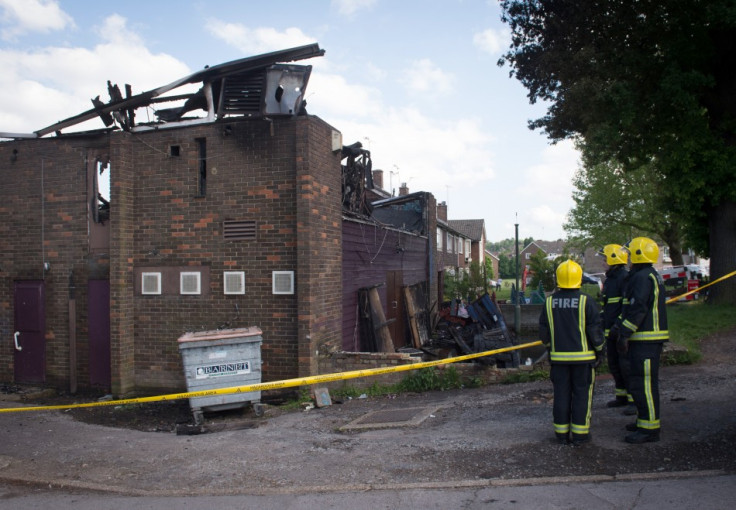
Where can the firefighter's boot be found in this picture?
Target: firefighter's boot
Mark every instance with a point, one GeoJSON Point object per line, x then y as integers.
{"type": "Point", "coordinates": [643, 436]}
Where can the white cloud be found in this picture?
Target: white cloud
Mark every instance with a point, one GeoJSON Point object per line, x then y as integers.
{"type": "Point", "coordinates": [348, 8]}
{"type": "Point", "coordinates": [23, 16]}
{"type": "Point", "coordinates": [254, 41]}
{"type": "Point", "coordinates": [425, 77]}
{"type": "Point", "coordinates": [114, 30]}
{"type": "Point", "coordinates": [55, 83]}
{"type": "Point", "coordinates": [546, 191]}
{"type": "Point", "coordinates": [491, 41]}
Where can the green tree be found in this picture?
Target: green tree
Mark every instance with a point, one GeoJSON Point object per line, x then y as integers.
{"type": "Point", "coordinates": [489, 268]}
{"type": "Point", "coordinates": [465, 284]}
{"type": "Point", "coordinates": [506, 267]}
{"type": "Point", "coordinates": [613, 206]}
{"type": "Point", "coordinates": [636, 82]}
{"type": "Point", "coordinates": [543, 270]}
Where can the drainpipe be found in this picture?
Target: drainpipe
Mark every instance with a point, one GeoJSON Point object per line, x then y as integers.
{"type": "Point", "coordinates": [72, 335]}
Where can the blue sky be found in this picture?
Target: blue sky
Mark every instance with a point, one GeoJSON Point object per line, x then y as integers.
{"type": "Point", "coordinates": [415, 81]}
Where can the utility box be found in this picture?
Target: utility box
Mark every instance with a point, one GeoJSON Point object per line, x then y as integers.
{"type": "Point", "coordinates": [222, 359]}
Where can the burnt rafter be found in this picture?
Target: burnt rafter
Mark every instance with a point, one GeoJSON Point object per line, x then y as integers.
{"type": "Point", "coordinates": [286, 90]}
{"type": "Point", "coordinates": [357, 175]}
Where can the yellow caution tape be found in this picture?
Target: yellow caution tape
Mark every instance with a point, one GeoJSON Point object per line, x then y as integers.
{"type": "Point", "coordinates": [286, 383]}
{"type": "Point", "coordinates": [729, 275]}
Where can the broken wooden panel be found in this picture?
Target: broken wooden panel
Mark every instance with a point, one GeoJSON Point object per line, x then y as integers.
{"type": "Point", "coordinates": [417, 313]}
{"type": "Point", "coordinates": [369, 253]}
{"type": "Point", "coordinates": [375, 334]}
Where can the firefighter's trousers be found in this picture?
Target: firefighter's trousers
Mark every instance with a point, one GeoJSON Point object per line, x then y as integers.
{"type": "Point", "coordinates": [573, 397]}
{"type": "Point", "coordinates": [644, 382]}
{"type": "Point", "coordinates": [618, 365]}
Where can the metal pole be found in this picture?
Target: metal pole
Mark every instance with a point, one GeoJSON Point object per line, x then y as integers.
{"type": "Point", "coordinates": [517, 304]}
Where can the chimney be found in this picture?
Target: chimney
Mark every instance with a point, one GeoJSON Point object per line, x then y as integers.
{"type": "Point", "coordinates": [378, 179]}
{"type": "Point", "coordinates": [403, 189]}
{"type": "Point", "coordinates": [442, 211]}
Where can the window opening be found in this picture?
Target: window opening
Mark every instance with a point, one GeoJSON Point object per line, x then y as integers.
{"type": "Point", "coordinates": [202, 173]}
{"type": "Point", "coordinates": [101, 200]}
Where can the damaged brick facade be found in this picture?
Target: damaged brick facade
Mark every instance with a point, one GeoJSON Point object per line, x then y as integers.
{"type": "Point", "coordinates": [282, 175]}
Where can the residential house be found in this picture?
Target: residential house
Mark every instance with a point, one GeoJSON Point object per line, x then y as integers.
{"type": "Point", "coordinates": [494, 263]}
{"type": "Point", "coordinates": [475, 232]}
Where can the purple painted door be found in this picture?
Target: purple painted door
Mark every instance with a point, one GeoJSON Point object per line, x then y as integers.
{"type": "Point", "coordinates": [99, 333]}
{"type": "Point", "coordinates": [28, 339]}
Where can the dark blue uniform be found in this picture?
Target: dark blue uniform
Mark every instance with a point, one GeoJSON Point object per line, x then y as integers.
{"type": "Point", "coordinates": [613, 291]}
{"type": "Point", "coordinates": [569, 326]}
{"type": "Point", "coordinates": [643, 327]}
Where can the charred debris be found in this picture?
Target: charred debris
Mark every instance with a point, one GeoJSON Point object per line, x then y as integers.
{"type": "Point", "coordinates": [455, 328]}
{"type": "Point", "coordinates": [254, 87]}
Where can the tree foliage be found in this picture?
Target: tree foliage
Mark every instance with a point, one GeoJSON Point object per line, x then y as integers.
{"type": "Point", "coordinates": [637, 82]}
{"type": "Point", "coordinates": [613, 206]}
{"type": "Point", "coordinates": [506, 266]}
{"type": "Point", "coordinates": [543, 271]}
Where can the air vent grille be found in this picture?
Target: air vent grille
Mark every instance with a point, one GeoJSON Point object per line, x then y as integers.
{"type": "Point", "coordinates": [239, 230]}
{"type": "Point", "coordinates": [283, 282]}
{"type": "Point", "coordinates": [234, 282]}
{"type": "Point", "coordinates": [150, 283]}
{"type": "Point", "coordinates": [190, 283]}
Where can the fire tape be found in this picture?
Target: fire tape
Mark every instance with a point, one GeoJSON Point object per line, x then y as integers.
{"type": "Point", "coordinates": [310, 380]}
{"type": "Point", "coordinates": [676, 298]}
{"type": "Point", "coordinates": [274, 385]}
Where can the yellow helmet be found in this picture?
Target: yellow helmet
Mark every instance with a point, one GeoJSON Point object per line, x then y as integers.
{"type": "Point", "coordinates": [569, 275]}
{"type": "Point", "coordinates": [615, 254]}
{"type": "Point", "coordinates": [643, 250]}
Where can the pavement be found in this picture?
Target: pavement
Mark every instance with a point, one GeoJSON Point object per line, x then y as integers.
{"type": "Point", "coordinates": [493, 438]}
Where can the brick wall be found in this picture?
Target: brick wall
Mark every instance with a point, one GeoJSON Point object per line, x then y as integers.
{"type": "Point", "coordinates": [282, 175]}
{"type": "Point", "coordinates": [43, 218]}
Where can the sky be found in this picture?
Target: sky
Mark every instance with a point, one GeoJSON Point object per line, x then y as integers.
{"type": "Point", "coordinates": [415, 81]}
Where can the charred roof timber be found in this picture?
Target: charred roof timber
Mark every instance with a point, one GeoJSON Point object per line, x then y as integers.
{"type": "Point", "coordinates": [256, 86]}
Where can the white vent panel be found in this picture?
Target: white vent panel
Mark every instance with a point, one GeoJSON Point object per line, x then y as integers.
{"type": "Point", "coordinates": [190, 282]}
{"type": "Point", "coordinates": [234, 282]}
{"type": "Point", "coordinates": [151, 283]}
{"type": "Point", "coordinates": [283, 282]}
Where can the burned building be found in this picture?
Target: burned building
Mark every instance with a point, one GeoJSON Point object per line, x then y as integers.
{"type": "Point", "coordinates": [230, 218]}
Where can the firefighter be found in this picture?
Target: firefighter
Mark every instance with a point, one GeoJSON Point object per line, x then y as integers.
{"type": "Point", "coordinates": [570, 328]}
{"type": "Point", "coordinates": [640, 333]}
{"type": "Point", "coordinates": [613, 288]}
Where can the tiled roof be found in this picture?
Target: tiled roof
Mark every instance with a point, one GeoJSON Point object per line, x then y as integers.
{"type": "Point", "coordinates": [474, 229]}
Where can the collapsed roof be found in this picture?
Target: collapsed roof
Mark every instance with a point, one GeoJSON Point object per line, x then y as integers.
{"type": "Point", "coordinates": [257, 86]}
